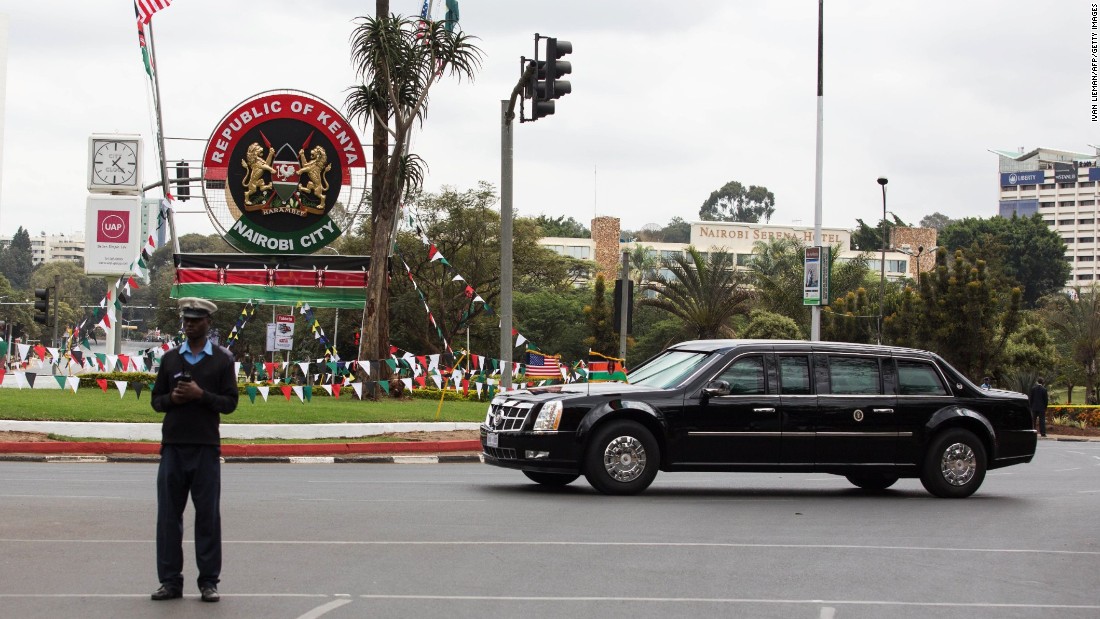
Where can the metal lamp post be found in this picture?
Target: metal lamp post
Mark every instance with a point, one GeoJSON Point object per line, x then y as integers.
{"type": "Point", "coordinates": [882, 180]}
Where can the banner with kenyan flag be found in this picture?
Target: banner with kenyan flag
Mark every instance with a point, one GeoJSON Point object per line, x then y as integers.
{"type": "Point", "coordinates": [320, 281]}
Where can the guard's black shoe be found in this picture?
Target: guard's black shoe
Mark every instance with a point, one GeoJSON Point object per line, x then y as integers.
{"type": "Point", "coordinates": [210, 594]}
{"type": "Point", "coordinates": [166, 593]}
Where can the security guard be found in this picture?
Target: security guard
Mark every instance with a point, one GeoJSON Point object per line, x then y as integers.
{"type": "Point", "coordinates": [195, 385]}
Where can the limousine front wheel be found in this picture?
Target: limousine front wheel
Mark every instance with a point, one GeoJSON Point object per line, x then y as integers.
{"type": "Point", "coordinates": [622, 458]}
{"type": "Point", "coordinates": [955, 465]}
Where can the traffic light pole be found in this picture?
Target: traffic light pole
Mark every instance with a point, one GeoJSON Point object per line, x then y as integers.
{"type": "Point", "coordinates": [506, 115]}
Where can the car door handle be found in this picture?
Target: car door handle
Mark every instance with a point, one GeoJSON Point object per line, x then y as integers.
{"type": "Point", "coordinates": [882, 410]}
{"type": "Point", "coordinates": [763, 410]}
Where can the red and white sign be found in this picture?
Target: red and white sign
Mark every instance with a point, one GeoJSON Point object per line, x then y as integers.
{"type": "Point", "coordinates": [113, 226]}
{"type": "Point", "coordinates": [114, 230]}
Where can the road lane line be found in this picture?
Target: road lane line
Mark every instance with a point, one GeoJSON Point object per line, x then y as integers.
{"type": "Point", "coordinates": [483, 543]}
{"type": "Point", "coordinates": [324, 608]}
{"type": "Point", "coordinates": [827, 612]}
{"type": "Point", "coordinates": [1076, 468]}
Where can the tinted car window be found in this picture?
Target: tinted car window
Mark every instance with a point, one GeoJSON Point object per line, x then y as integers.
{"type": "Point", "coordinates": [745, 376]}
{"type": "Point", "coordinates": [794, 375]}
{"type": "Point", "coordinates": [854, 375]}
{"type": "Point", "coordinates": [916, 378]}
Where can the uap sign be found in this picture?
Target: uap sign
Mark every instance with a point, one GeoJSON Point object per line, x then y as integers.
{"type": "Point", "coordinates": [113, 225]}
{"type": "Point", "coordinates": [282, 163]}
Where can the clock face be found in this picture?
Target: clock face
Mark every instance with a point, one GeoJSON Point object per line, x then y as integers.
{"type": "Point", "coordinates": [114, 163]}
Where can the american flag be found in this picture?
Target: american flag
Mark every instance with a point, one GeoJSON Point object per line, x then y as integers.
{"type": "Point", "coordinates": [542, 366]}
{"type": "Point", "coordinates": [146, 8]}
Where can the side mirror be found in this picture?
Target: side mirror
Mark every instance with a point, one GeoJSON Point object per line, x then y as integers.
{"type": "Point", "coordinates": [716, 388]}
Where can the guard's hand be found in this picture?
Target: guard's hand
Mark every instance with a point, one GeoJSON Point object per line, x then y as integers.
{"type": "Point", "coordinates": [186, 391]}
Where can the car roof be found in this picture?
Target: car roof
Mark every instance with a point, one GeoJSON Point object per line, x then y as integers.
{"type": "Point", "coordinates": [721, 345]}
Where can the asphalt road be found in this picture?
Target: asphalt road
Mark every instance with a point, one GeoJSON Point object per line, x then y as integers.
{"type": "Point", "coordinates": [469, 540]}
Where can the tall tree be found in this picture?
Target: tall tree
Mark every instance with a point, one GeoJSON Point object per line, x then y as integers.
{"type": "Point", "coordinates": [600, 322]}
{"type": "Point", "coordinates": [562, 226]}
{"type": "Point", "coordinates": [960, 311]}
{"type": "Point", "coordinates": [866, 238]}
{"type": "Point", "coordinates": [936, 220]}
{"type": "Point", "coordinates": [734, 202]}
{"type": "Point", "coordinates": [15, 262]}
{"type": "Point", "coordinates": [644, 263]}
{"type": "Point", "coordinates": [397, 60]}
{"type": "Point", "coordinates": [1025, 250]}
{"type": "Point", "coordinates": [705, 291]}
{"type": "Point", "coordinates": [1076, 321]}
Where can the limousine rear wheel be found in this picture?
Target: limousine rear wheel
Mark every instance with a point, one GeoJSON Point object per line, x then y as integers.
{"type": "Point", "coordinates": [622, 458]}
{"type": "Point", "coordinates": [955, 464]}
{"type": "Point", "coordinates": [872, 482]}
{"type": "Point", "coordinates": [550, 479]}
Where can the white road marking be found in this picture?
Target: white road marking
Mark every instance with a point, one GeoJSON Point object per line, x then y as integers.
{"type": "Point", "coordinates": [324, 608]}
{"type": "Point", "coordinates": [484, 543]}
{"type": "Point", "coordinates": [393, 500]}
{"type": "Point", "coordinates": [516, 598]}
{"type": "Point", "coordinates": [416, 460]}
{"type": "Point", "coordinates": [1087, 491]}
{"type": "Point", "coordinates": [312, 460]}
{"type": "Point", "coordinates": [1076, 468]}
{"type": "Point", "coordinates": [827, 612]}
{"type": "Point", "coordinates": [63, 496]}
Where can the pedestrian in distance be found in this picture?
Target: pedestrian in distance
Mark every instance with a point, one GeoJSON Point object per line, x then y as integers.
{"type": "Point", "coordinates": [987, 383]}
{"type": "Point", "coordinates": [196, 384]}
{"type": "Point", "coordinates": [1037, 400]}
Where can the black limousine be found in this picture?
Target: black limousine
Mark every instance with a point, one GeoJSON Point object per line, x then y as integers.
{"type": "Point", "coordinates": [873, 414]}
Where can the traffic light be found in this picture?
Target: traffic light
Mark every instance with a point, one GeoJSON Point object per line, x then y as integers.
{"type": "Point", "coordinates": [42, 305]}
{"type": "Point", "coordinates": [544, 85]}
{"type": "Point", "coordinates": [556, 68]}
{"type": "Point", "coordinates": [183, 186]}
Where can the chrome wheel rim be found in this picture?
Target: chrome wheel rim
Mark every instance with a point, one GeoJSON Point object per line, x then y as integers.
{"type": "Point", "coordinates": [624, 459]}
{"type": "Point", "coordinates": [959, 464]}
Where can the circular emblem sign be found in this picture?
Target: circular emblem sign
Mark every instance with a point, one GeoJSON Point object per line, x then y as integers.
{"type": "Point", "coordinates": [284, 173]}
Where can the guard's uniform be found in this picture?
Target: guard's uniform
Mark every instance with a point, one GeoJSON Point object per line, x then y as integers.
{"type": "Point", "coordinates": [189, 460]}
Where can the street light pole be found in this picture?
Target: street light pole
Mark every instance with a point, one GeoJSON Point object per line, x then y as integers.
{"type": "Point", "coordinates": [882, 180]}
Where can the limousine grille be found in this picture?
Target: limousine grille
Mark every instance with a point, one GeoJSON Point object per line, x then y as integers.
{"type": "Point", "coordinates": [510, 416]}
{"type": "Point", "coordinates": [501, 453]}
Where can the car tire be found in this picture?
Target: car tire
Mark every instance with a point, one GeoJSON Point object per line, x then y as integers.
{"type": "Point", "coordinates": [555, 480]}
{"type": "Point", "coordinates": [872, 483]}
{"type": "Point", "coordinates": [622, 458]}
{"type": "Point", "coordinates": [954, 466]}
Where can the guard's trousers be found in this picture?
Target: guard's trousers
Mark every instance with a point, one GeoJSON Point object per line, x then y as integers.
{"type": "Point", "coordinates": [194, 470]}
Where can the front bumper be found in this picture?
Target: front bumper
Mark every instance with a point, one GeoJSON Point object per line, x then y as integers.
{"type": "Point", "coordinates": [548, 452]}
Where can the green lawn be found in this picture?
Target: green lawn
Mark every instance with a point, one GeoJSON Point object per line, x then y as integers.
{"type": "Point", "coordinates": [94, 405]}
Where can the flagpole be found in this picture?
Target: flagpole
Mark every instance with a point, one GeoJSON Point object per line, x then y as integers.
{"type": "Point", "coordinates": [160, 137]}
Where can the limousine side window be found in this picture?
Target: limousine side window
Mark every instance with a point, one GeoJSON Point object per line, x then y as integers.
{"type": "Point", "coordinates": [745, 376]}
{"type": "Point", "coordinates": [918, 378]}
{"type": "Point", "coordinates": [794, 375]}
{"type": "Point", "coordinates": [854, 375]}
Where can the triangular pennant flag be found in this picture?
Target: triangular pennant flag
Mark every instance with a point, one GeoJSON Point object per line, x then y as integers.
{"type": "Point", "coordinates": [304, 365]}
{"type": "Point", "coordinates": [2, 373]}
{"type": "Point", "coordinates": [121, 386]}
{"type": "Point", "coordinates": [327, 388]}
{"type": "Point", "coordinates": [385, 386]}
{"type": "Point", "coordinates": [421, 380]}
{"type": "Point", "coordinates": [478, 386]}
{"type": "Point", "coordinates": [520, 340]}
{"type": "Point", "coordinates": [251, 391]}
{"type": "Point", "coordinates": [72, 382]}
{"type": "Point", "coordinates": [236, 368]}
{"type": "Point", "coordinates": [111, 361]}
{"type": "Point", "coordinates": [20, 379]}
{"type": "Point", "coordinates": [286, 392]}
{"type": "Point", "coordinates": [336, 390]}
{"type": "Point", "coordinates": [137, 386]}
{"type": "Point", "coordinates": [60, 381]}
{"type": "Point", "coordinates": [408, 383]}
{"type": "Point", "coordinates": [270, 369]}
{"type": "Point", "coordinates": [358, 387]}
{"type": "Point", "coordinates": [125, 361]}
{"type": "Point", "coordinates": [24, 350]}
{"type": "Point", "coordinates": [263, 392]}
{"type": "Point", "coordinates": [29, 376]}
{"type": "Point", "coordinates": [298, 392]}
{"type": "Point", "coordinates": [40, 350]}
{"type": "Point", "coordinates": [53, 353]}
{"type": "Point", "coordinates": [438, 381]}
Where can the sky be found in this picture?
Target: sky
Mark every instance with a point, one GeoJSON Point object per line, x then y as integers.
{"type": "Point", "coordinates": [670, 101]}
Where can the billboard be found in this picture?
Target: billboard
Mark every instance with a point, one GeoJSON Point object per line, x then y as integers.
{"type": "Point", "coordinates": [1032, 177]}
{"type": "Point", "coordinates": [112, 227]}
{"type": "Point", "coordinates": [815, 276]}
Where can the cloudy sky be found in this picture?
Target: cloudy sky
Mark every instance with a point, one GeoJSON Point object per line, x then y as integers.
{"type": "Point", "coordinates": [670, 100]}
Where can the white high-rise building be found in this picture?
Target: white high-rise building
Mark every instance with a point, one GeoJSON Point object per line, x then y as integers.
{"type": "Point", "coordinates": [1061, 186]}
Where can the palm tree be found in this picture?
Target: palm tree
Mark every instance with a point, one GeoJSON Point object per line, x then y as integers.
{"type": "Point", "coordinates": [397, 61]}
{"type": "Point", "coordinates": [644, 263]}
{"type": "Point", "coordinates": [704, 291]}
{"type": "Point", "coordinates": [777, 272]}
{"type": "Point", "coordinates": [1077, 320]}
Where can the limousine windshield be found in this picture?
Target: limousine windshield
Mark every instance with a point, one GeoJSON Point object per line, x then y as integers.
{"type": "Point", "coordinates": [669, 368]}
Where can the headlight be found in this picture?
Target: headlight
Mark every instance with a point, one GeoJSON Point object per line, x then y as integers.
{"type": "Point", "coordinates": [549, 417]}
